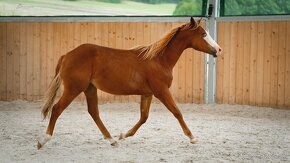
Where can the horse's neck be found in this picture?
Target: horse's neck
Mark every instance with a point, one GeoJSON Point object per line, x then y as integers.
{"type": "Point", "coordinates": [173, 52]}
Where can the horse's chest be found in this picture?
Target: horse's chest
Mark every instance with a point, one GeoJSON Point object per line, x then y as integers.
{"type": "Point", "coordinates": [164, 77]}
{"type": "Point", "coordinates": [168, 79]}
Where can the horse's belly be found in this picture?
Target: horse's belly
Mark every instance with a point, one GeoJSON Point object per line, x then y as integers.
{"type": "Point", "coordinates": [121, 88]}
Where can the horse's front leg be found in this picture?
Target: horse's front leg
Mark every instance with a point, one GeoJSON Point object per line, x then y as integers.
{"type": "Point", "coordinates": [166, 98]}
{"type": "Point", "coordinates": [144, 111]}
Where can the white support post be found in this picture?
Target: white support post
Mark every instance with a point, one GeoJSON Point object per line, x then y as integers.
{"type": "Point", "coordinates": [210, 61]}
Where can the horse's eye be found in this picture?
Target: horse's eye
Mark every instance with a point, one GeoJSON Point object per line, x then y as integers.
{"type": "Point", "coordinates": [204, 35]}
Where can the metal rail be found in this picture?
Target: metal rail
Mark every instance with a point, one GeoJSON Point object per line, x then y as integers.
{"type": "Point", "coordinates": [93, 19]}
{"type": "Point", "coordinates": [253, 18]}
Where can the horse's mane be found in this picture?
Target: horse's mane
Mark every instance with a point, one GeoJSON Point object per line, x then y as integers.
{"type": "Point", "coordinates": [157, 48]}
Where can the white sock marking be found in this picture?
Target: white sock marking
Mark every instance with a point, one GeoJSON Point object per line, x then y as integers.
{"type": "Point", "coordinates": [45, 139]}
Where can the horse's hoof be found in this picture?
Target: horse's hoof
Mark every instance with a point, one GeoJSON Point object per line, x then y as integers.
{"type": "Point", "coordinates": [114, 144]}
{"type": "Point", "coordinates": [193, 140]}
{"type": "Point", "coordinates": [38, 145]}
{"type": "Point", "coordinates": [122, 136]}
{"type": "Point", "coordinates": [41, 142]}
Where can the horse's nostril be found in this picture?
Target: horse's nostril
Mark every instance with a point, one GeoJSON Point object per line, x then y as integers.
{"type": "Point", "coordinates": [220, 49]}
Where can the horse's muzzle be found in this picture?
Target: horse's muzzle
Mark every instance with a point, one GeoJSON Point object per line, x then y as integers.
{"type": "Point", "coordinates": [214, 53]}
{"type": "Point", "coordinates": [217, 52]}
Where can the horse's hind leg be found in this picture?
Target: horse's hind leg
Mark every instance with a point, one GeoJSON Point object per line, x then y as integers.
{"type": "Point", "coordinates": [144, 109]}
{"type": "Point", "coordinates": [57, 109]}
{"type": "Point", "coordinates": [92, 101]}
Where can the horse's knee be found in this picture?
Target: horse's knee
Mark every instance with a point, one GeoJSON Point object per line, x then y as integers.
{"type": "Point", "coordinates": [93, 112]}
{"type": "Point", "coordinates": [143, 120]}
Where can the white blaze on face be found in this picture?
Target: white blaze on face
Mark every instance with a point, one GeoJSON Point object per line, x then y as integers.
{"type": "Point", "coordinates": [211, 42]}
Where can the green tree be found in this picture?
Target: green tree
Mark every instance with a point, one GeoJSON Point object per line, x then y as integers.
{"type": "Point", "coordinates": [257, 7]}
{"type": "Point", "coordinates": [188, 7]}
{"type": "Point", "coordinates": [232, 8]}
{"type": "Point", "coordinates": [268, 7]}
{"type": "Point", "coordinates": [111, 1]}
{"type": "Point", "coordinates": [156, 1]}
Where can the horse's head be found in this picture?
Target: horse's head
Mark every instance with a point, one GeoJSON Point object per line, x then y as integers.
{"type": "Point", "coordinates": [199, 39]}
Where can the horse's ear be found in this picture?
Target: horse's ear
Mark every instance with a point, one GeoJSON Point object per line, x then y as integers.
{"type": "Point", "coordinates": [192, 21]}
{"type": "Point", "coordinates": [199, 21]}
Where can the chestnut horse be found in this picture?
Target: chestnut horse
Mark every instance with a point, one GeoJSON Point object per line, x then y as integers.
{"type": "Point", "coordinates": [142, 70]}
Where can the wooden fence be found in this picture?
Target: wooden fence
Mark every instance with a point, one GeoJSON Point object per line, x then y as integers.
{"type": "Point", "coordinates": [29, 53]}
{"type": "Point", "coordinates": [255, 66]}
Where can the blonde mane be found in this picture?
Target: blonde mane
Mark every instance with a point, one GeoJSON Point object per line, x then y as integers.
{"type": "Point", "coordinates": [157, 48]}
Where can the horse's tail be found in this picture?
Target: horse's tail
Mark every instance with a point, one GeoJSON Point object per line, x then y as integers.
{"type": "Point", "coordinates": [52, 90]}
